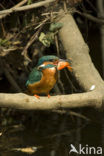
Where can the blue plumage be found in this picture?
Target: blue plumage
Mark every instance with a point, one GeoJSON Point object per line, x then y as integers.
{"type": "Point", "coordinates": [47, 58]}
{"type": "Point", "coordinates": [36, 74]}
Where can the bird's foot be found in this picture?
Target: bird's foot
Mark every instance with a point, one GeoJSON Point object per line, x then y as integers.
{"type": "Point", "coordinates": [48, 96]}
{"type": "Point", "coordinates": [37, 96]}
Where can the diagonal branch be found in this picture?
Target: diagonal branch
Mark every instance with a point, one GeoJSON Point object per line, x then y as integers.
{"type": "Point", "coordinates": [16, 6]}
{"type": "Point", "coordinates": [27, 7]}
{"type": "Point", "coordinates": [76, 49]}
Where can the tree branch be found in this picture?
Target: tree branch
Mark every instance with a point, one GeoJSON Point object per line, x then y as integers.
{"type": "Point", "coordinates": [23, 101]}
{"type": "Point", "coordinates": [92, 18]}
{"type": "Point", "coordinates": [27, 7]}
{"type": "Point", "coordinates": [17, 5]}
{"type": "Point", "coordinates": [76, 49]}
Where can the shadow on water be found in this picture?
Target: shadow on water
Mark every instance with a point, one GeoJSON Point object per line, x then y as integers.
{"type": "Point", "coordinates": [52, 134]}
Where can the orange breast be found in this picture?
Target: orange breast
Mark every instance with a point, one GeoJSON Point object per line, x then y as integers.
{"type": "Point", "coordinates": [46, 83]}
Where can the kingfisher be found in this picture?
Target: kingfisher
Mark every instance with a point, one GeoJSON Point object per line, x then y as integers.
{"type": "Point", "coordinates": [42, 79]}
{"type": "Point", "coordinates": [44, 76]}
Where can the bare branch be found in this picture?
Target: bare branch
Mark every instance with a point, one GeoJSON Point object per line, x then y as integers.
{"type": "Point", "coordinates": [11, 79]}
{"type": "Point", "coordinates": [92, 18]}
{"type": "Point", "coordinates": [23, 101]}
{"type": "Point", "coordinates": [17, 5]}
{"type": "Point", "coordinates": [27, 7]}
{"type": "Point", "coordinates": [76, 49]}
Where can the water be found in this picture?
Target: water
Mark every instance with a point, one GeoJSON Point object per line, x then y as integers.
{"type": "Point", "coordinates": [51, 133]}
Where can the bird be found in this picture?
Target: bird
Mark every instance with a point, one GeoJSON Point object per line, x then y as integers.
{"type": "Point", "coordinates": [42, 79]}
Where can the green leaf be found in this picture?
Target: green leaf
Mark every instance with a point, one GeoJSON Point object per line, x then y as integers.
{"type": "Point", "coordinates": [29, 2]}
{"type": "Point", "coordinates": [46, 39]}
{"type": "Point", "coordinates": [55, 26]}
{"type": "Point", "coordinates": [4, 42]}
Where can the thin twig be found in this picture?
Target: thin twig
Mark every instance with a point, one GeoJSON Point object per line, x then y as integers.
{"type": "Point", "coordinates": [65, 7]}
{"type": "Point", "coordinates": [71, 113]}
{"type": "Point", "coordinates": [33, 38]}
{"type": "Point", "coordinates": [71, 84]}
{"type": "Point", "coordinates": [92, 18]}
{"type": "Point", "coordinates": [20, 4]}
{"type": "Point", "coordinates": [10, 78]}
{"type": "Point", "coordinates": [2, 6]}
{"type": "Point", "coordinates": [3, 29]}
{"type": "Point", "coordinates": [27, 7]}
{"type": "Point", "coordinates": [65, 132]}
{"type": "Point", "coordinates": [92, 6]}
{"type": "Point", "coordinates": [48, 13]}
{"type": "Point", "coordinates": [17, 5]}
{"type": "Point", "coordinates": [41, 23]}
{"type": "Point", "coordinates": [57, 44]}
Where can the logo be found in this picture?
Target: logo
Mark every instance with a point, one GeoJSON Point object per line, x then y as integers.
{"type": "Point", "coordinates": [85, 149]}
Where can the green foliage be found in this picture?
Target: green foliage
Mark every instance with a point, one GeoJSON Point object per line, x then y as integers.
{"type": "Point", "coordinates": [29, 2]}
{"type": "Point", "coordinates": [55, 26]}
{"type": "Point", "coordinates": [4, 42]}
{"type": "Point", "coordinates": [46, 39]}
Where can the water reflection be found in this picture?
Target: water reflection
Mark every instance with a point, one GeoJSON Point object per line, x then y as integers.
{"type": "Point", "coordinates": [51, 134]}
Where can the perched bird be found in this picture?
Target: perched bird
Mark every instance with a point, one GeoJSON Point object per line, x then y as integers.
{"type": "Point", "coordinates": [44, 76]}
{"type": "Point", "coordinates": [42, 79]}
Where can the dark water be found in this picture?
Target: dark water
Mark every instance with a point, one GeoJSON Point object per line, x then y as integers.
{"type": "Point", "coordinates": [51, 133]}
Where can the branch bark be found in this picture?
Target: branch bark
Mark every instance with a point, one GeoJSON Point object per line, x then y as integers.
{"type": "Point", "coordinates": [27, 7]}
{"type": "Point", "coordinates": [92, 18]}
{"type": "Point", "coordinates": [76, 49]}
{"type": "Point", "coordinates": [23, 101]}
{"type": "Point", "coordinates": [83, 70]}
{"type": "Point", "coordinates": [16, 6]}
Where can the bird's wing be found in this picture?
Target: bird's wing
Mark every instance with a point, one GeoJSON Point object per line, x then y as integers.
{"type": "Point", "coordinates": [34, 76]}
